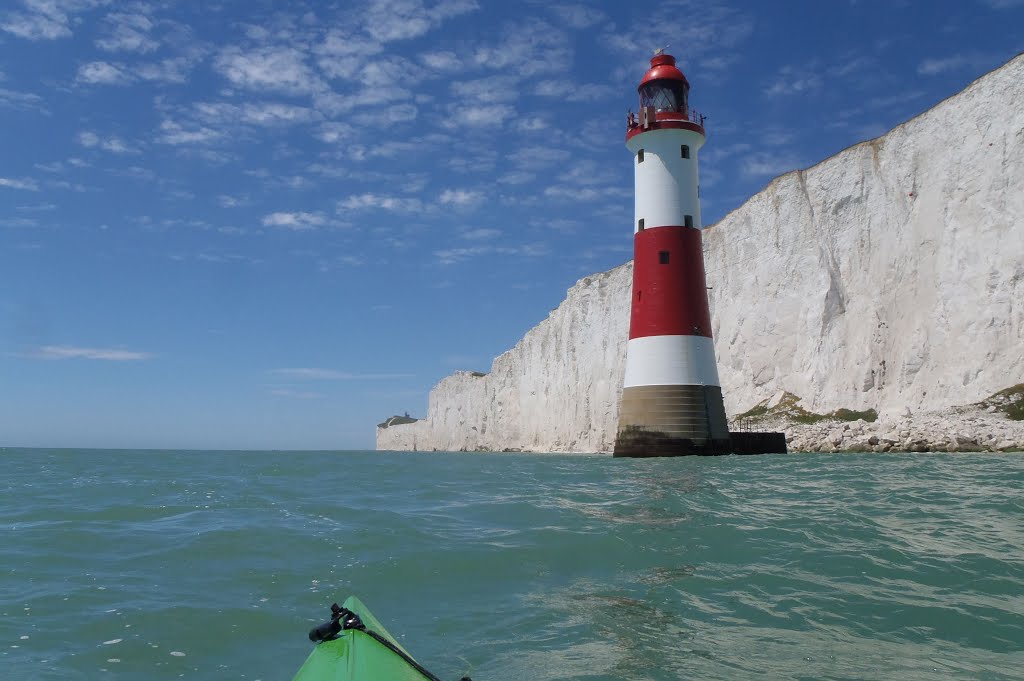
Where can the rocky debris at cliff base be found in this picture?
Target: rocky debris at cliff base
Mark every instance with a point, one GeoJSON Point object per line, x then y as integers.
{"type": "Point", "coordinates": [964, 429]}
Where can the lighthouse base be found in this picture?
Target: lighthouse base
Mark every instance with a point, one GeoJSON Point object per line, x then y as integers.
{"type": "Point", "coordinates": [672, 420]}
{"type": "Point", "coordinates": [636, 443]}
{"type": "Point", "coordinates": [648, 443]}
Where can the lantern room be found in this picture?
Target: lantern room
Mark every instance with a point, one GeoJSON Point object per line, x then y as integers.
{"type": "Point", "coordinates": [664, 86]}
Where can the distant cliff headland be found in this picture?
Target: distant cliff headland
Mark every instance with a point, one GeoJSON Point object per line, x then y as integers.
{"type": "Point", "coordinates": [872, 302]}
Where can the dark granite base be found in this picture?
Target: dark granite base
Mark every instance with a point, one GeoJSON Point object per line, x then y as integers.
{"type": "Point", "coordinates": [637, 442]}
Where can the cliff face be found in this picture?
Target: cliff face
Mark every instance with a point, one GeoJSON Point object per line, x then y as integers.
{"type": "Point", "coordinates": [557, 390]}
{"type": "Point", "coordinates": [889, 276]}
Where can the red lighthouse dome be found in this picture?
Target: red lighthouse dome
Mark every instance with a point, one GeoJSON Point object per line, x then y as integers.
{"type": "Point", "coordinates": [664, 99]}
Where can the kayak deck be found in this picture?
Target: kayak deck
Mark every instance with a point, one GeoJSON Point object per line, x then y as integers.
{"type": "Point", "coordinates": [356, 655]}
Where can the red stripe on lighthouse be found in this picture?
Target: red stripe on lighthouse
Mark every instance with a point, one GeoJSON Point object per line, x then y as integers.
{"type": "Point", "coordinates": [669, 287]}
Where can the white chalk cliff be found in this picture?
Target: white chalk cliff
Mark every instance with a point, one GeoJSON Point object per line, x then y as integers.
{"type": "Point", "coordinates": [889, 277]}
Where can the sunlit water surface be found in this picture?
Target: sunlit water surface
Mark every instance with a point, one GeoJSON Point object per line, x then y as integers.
{"type": "Point", "coordinates": [213, 565]}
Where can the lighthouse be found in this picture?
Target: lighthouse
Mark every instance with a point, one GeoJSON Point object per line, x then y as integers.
{"type": "Point", "coordinates": [671, 399]}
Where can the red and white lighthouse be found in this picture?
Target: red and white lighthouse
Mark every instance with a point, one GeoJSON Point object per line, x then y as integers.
{"type": "Point", "coordinates": [672, 400]}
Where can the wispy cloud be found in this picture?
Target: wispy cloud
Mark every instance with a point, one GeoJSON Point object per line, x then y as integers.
{"type": "Point", "coordinates": [228, 201]}
{"type": "Point", "coordinates": [295, 221]}
{"type": "Point", "coordinates": [127, 32]}
{"type": "Point", "coordinates": [972, 61]}
{"type": "Point", "coordinates": [371, 201]}
{"type": "Point", "coordinates": [527, 48]}
{"type": "Point", "coordinates": [12, 99]}
{"type": "Point", "coordinates": [296, 394]}
{"type": "Point", "coordinates": [253, 113]}
{"type": "Point", "coordinates": [102, 73]}
{"type": "Point", "coordinates": [578, 16]}
{"type": "Point", "coordinates": [792, 80]}
{"type": "Point", "coordinates": [460, 197]}
{"type": "Point", "coordinates": [24, 183]}
{"type": "Point", "coordinates": [481, 234]}
{"type": "Point", "coordinates": [279, 69]}
{"type": "Point", "coordinates": [44, 19]}
{"type": "Point", "coordinates": [451, 256]}
{"type": "Point", "coordinates": [390, 20]}
{"type": "Point", "coordinates": [763, 164]}
{"type": "Point", "coordinates": [318, 374]}
{"type": "Point", "coordinates": [492, 115]}
{"type": "Point", "coordinates": [174, 133]}
{"type": "Point", "coordinates": [72, 352]}
{"type": "Point", "coordinates": [113, 144]}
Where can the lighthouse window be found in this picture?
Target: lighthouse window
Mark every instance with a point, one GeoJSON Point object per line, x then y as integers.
{"type": "Point", "coordinates": [663, 257]}
{"type": "Point", "coordinates": [640, 156]}
{"type": "Point", "coordinates": [640, 225]}
{"type": "Point", "coordinates": [684, 150]}
{"type": "Point", "coordinates": [664, 95]}
{"type": "Point", "coordinates": [688, 220]}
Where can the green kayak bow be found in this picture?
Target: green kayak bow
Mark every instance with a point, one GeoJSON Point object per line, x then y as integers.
{"type": "Point", "coordinates": [354, 646]}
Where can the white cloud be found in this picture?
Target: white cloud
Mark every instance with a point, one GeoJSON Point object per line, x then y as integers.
{"type": "Point", "coordinates": [371, 201]}
{"type": "Point", "coordinates": [174, 133]}
{"type": "Point", "coordinates": [296, 394]}
{"type": "Point", "coordinates": [18, 222]}
{"type": "Point", "coordinates": [127, 32]}
{"type": "Point", "coordinates": [538, 157]}
{"type": "Point", "coordinates": [768, 165]}
{"type": "Point", "coordinates": [333, 131]}
{"type": "Point", "coordinates": [794, 81]}
{"type": "Point", "coordinates": [282, 69]}
{"type": "Point", "coordinates": [227, 201]}
{"type": "Point", "coordinates": [581, 92]}
{"type": "Point", "coordinates": [460, 197]}
{"type": "Point", "coordinates": [173, 70]}
{"type": "Point", "coordinates": [70, 352]}
{"type": "Point", "coordinates": [112, 144]}
{"type": "Point", "coordinates": [527, 49]}
{"type": "Point", "coordinates": [264, 113]}
{"type": "Point", "coordinates": [26, 184]}
{"type": "Point", "coordinates": [394, 113]}
{"type": "Point", "coordinates": [481, 234]}
{"type": "Point", "coordinates": [474, 116]}
{"type": "Point", "coordinates": [933, 67]}
{"type": "Point", "coordinates": [11, 99]}
{"type": "Point", "coordinates": [491, 90]}
{"type": "Point", "coordinates": [102, 73]}
{"type": "Point", "coordinates": [451, 256]}
{"type": "Point", "coordinates": [389, 20]}
{"type": "Point", "coordinates": [531, 124]}
{"type": "Point", "coordinates": [516, 177]}
{"type": "Point", "coordinates": [295, 221]}
{"type": "Point", "coordinates": [587, 194]}
{"type": "Point", "coordinates": [578, 16]}
{"type": "Point", "coordinates": [317, 374]}
{"type": "Point", "coordinates": [343, 54]}
{"type": "Point", "coordinates": [447, 62]}
{"type": "Point", "coordinates": [44, 19]}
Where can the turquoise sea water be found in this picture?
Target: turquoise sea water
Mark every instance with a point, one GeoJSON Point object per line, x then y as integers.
{"type": "Point", "coordinates": [213, 565]}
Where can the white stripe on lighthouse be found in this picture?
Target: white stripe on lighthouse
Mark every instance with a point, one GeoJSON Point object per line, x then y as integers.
{"type": "Point", "coordinates": [665, 184]}
{"type": "Point", "coordinates": [670, 360]}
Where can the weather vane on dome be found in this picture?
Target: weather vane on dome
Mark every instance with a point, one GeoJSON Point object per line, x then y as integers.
{"type": "Point", "coordinates": [660, 51]}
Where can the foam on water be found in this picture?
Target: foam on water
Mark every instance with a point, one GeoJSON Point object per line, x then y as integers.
{"type": "Point", "coordinates": [214, 565]}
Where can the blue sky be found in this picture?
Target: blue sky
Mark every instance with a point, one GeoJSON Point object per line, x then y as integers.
{"type": "Point", "coordinates": [271, 225]}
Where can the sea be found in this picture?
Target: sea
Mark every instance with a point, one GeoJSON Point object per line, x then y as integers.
{"type": "Point", "coordinates": [166, 565]}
